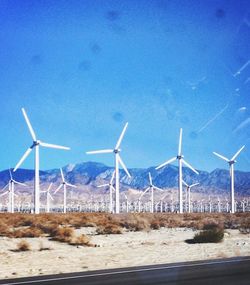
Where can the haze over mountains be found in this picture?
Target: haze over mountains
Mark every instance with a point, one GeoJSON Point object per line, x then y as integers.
{"type": "Point", "coordinates": [88, 175]}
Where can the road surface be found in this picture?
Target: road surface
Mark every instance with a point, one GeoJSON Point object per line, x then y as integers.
{"type": "Point", "coordinates": [209, 272]}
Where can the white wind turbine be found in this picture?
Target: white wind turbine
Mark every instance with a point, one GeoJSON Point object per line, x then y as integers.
{"type": "Point", "coordinates": [188, 194]}
{"type": "Point", "coordinates": [48, 197]}
{"type": "Point", "coordinates": [64, 184]}
{"type": "Point", "coordinates": [127, 202]}
{"type": "Point", "coordinates": [118, 161]}
{"type": "Point", "coordinates": [111, 189]}
{"type": "Point", "coordinates": [151, 187]}
{"type": "Point", "coordinates": [180, 159]}
{"type": "Point", "coordinates": [231, 170]}
{"type": "Point", "coordinates": [35, 145]}
{"type": "Point", "coordinates": [11, 184]}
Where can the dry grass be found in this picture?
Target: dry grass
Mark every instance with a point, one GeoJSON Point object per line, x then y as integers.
{"type": "Point", "coordinates": [62, 234]}
{"type": "Point", "coordinates": [109, 229]}
{"type": "Point", "coordinates": [23, 245]}
{"type": "Point", "coordinates": [245, 226]}
{"type": "Point", "coordinates": [82, 240]}
{"type": "Point", "coordinates": [60, 227]}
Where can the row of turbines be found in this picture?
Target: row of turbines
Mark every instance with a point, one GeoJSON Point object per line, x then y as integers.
{"type": "Point", "coordinates": [113, 187]}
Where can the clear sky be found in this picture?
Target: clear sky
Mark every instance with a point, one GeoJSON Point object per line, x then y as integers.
{"type": "Point", "coordinates": [82, 69]}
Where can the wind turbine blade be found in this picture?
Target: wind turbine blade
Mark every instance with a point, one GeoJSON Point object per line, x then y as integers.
{"type": "Point", "coordinates": [62, 175]}
{"type": "Point", "coordinates": [4, 193]}
{"type": "Point", "coordinates": [100, 151]}
{"type": "Point", "coordinates": [195, 184]}
{"type": "Point", "coordinates": [28, 151]}
{"type": "Point", "coordinates": [103, 185]}
{"type": "Point", "coordinates": [150, 178]}
{"type": "Point", "coordinates": [5, 187]}
{"type": "Point", "coordinates": [180, 142]}
{"type": "Point", "coordinates": [237, 153]}
{"type": "Point", "coordinates": [29, 125]}
{"type": "Point", "coordinates": [49, 145]}
{"type": "Point", "coordinates": [51, 197]}
{"type": "Point", "coordinates": [112, 177]}
{"type": "Point", "coordinates": [19, 183]}
{"type": "Point", "coordinates": [123, 166]}
{"type": "Point", "coordinates": [125, 196]}
{"type": "Point", "coordinates": [144, 192]}
{"type": "Point", "coordinates": [58, 188]}
{"type": "Point", "coordinates": [164, 197]}
{"type": "Point", "coordinates": [184, 183]}
{"type": "Point", "coordinates": [50, 185]}
{"type": "Point", "coordinates": [70, 185]}
{"type": "Point", "coordinates": [189, 166]}
{"type": "Point", "coordinates": [221, 156]}
{"type": "Point", "coordinates": [157, 188]}
{"type": "Point", "coordinates": [121, 136]}
{"type": "Point", "coordinates": [10, 174]}
{"type": "Point", "coordinates": [165, 163]}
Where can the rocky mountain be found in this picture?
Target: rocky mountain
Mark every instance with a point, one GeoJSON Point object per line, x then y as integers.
{"type": "Point", "coordinates": [88, 175]}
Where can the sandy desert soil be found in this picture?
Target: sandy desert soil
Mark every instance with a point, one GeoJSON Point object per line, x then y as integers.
{"type": "Point", "coordinates": [113, 251]}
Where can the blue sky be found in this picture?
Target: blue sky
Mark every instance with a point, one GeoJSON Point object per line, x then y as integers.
{"type": "Point", "coordinates": [82, 69]}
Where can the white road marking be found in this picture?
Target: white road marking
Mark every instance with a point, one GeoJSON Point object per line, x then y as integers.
{"type": "Point", "coordinates": [127, 271]}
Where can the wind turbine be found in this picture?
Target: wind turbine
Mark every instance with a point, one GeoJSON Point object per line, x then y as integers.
{"type": "Point", "coordinates": [127, 203]}
{"type": "Point", "coordinates": [161, 202]}
{"type": "Point", "coordinates": [118, 161]}
{"type": "Point", "coordinates": [111, 189]}
{"type": "Point", "coordinates": [188, 197]}
{"type": "Point", "coordinates": [35, 145]}
{"type": "Point", "coordinates": [231, 163]}
{"type": "Point", "coordinates": [48, 197]}
{"type": "Point", "coordinates": [151, 187]}
{"type": "Point", "coordinates": [64, 184]}
{"type": "Point", "coordinates": [11, 192]}
{"type": "Point", "coordinates": [180, 159]}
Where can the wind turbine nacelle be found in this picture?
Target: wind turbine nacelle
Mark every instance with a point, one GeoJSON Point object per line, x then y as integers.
{"type": "Point", "coordinates": [117, 150]}
{"type": "Point", "coordinates": [180, 156]}
{"type": "Point", "coordinates": [35, 143]}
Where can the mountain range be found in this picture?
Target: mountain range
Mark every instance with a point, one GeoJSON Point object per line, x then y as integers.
{"type": "Point", "coordinates": [88, 175]}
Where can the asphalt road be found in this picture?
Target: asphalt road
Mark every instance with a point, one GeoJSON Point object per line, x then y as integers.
{"type": "Point", "coordinates": [210, 272]}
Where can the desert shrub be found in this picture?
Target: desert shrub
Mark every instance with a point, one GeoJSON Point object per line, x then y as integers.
{"type": "Point", "coordinates": [135, 222]}
{"type": "Point", "coordinates": [244, 227]}
{"type": "Point", "coordinates": [62, 234]}
{"type": "Point", "coordinates": [48, 227]}
{"type": "Point", "coordinates": [23, 245]}
{"type": "Point", "coordinates": [80, 240]}
{"type": "Point", "coordinates": [214, 235]}
{"type": "Point", "coordinates": [4, 229]}
{"type": "Point", "coordinates": [155, 225]}
{"type": "Point", "coordinates": [212, 226]}
{"type": "Point", "coordinates": [25, 233]}
{"type": "Point", "coordinates": [109, 229]}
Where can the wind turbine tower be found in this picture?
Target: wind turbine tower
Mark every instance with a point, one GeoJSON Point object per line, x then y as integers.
{"type": "Point", "coordinates": [111, 189]}
{"type": "Point", "coordinates": [11, 191]}
{"type": "Point", "coordinates": [118, 161]}
{"type": "Point", "coordinates": [64, 184]}
{"type": "Point", "coordinates": [181, 161]}
{"type": "Point", "coordinates": [231, 163]}
{"type": "Point", "coordinates": [48, 197]}
{"type": "Point", "coordinates": [188, 200]}
{"type": "Point", "coordinates": [35, 146]}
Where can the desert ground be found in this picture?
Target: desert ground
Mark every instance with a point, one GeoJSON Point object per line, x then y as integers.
{"type": "Point", "coordinates": [129, 246]}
